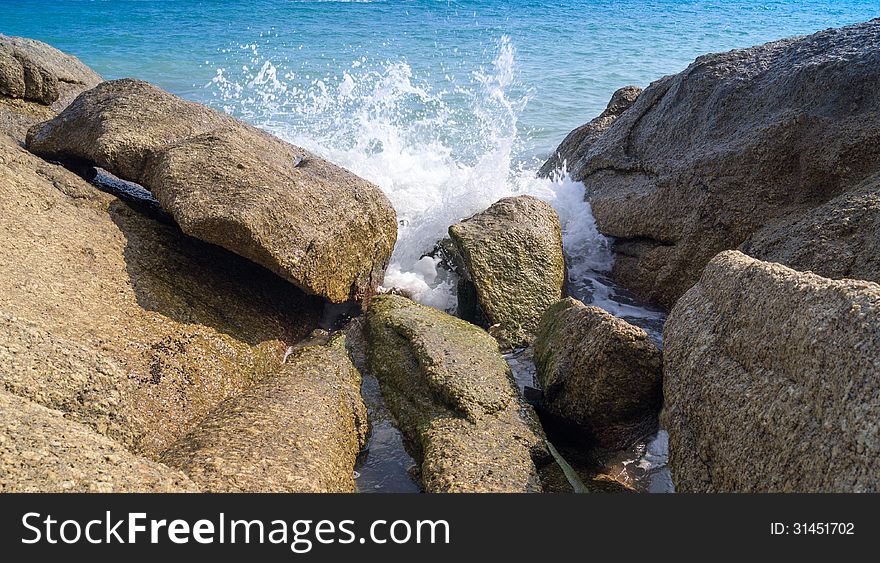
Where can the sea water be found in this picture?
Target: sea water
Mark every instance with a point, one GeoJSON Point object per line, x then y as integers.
{"type": "Point", "coordinates": [446, 105]}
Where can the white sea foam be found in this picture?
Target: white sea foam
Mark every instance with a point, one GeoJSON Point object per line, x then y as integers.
{"type": "Point", "coordinates": [439, 154]}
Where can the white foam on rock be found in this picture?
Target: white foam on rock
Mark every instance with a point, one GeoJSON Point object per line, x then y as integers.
{"type": "Point", "coordinates": [439, 154]}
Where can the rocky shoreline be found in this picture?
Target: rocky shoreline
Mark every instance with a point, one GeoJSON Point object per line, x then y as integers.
{"type": "Point", "coordinates": [182, 343]}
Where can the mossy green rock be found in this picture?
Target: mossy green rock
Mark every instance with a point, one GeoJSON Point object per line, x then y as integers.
{"type": "Point", "coordinates": [599, 373]}
{"type": "Point", "coordinates": [299, 430]}
{"type": "Point", "coordinates": [454, 399]}
{"type": "Point", "coordinates": [512, 255]}
{"type": "Point", "coordinates": [225, 182]}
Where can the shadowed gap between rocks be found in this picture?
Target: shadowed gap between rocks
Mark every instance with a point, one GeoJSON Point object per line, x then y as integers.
{"type": "Point", "coordinates": [384, 465]}
{"type": "Point", "coordinates": [228, 287]}
{"type": "Point", "coordinates": [168, 287]}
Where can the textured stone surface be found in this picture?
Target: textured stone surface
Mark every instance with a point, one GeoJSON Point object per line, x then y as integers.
{"type": "Point", "coordinates": [599, 373]}
{"type": "Point", "coordinates": [567, 156]}
{"type": "Point", "coordinates": [734, 143]}
{"type": "Point", "coordinates": [772, 381]}
{"type": "Point", "coordinates": [80, 381]}
{"type": "Point", "coordinates": [36, 81]}
{"type": "Point", "coordinates": [454, 399]}
{"type": "Point", "coordinates": [119, 319]}
{"type": "Point", "coordinates": [838, 239]}
{"type": "Point", "coordinates": [512, 257]}
{"type": "Point", "coordinates": [299, 430]}
{"type": "Point", "coordinates": [41, 451]}
{"type": "Point", "coordinates": [225, 182]}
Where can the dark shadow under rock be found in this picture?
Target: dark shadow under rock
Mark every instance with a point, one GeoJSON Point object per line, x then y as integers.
{"type": "Point", "coordinates": [205, 284]}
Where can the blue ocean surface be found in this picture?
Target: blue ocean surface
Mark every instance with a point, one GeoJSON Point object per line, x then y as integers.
{"type": "Point", "coordinates": [570, 55]}
{"type": "Point", "coordinates": [446, 105]}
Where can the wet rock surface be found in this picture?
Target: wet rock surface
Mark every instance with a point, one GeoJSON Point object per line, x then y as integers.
{"type": "Point", "coordinates": [225, 182]}
{"type": "Point", "coordinates": [453, 397]}
{"type": "Point", "coordinates": [298, 430]}
{"type": "Point", "coordinates": [770, 381]}
{"type": "Point", "coordinates": [513, 266]}
{"type": "Point", "coordinates": [600, 374]}
{"type": "Point", "coordinates": [737, 142]}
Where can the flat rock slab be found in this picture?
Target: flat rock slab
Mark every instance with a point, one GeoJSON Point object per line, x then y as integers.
{"type": "Point", "coordinates": [513, 259]}
{"type": "Point", "coordinates": [454, 399]}
{"type": "Point", "coordinates": [771, 381]}
{"type": "Point", "coordinates": [299, 430]}
{"type": "Point", "coordinates": [41, 451]}
{"type": "Point", "coordinates": [599, 373]}
{"type": "Point", "coordinates": [225, 182]}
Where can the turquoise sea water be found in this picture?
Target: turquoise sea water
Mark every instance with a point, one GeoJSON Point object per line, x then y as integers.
{"type": "Point", "coordinates": [446, 105]}
{"type": "Point", "coordinates": [570, 55]}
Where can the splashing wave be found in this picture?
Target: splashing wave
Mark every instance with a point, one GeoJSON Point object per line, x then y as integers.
{"type": "Point", "coordinates": [440, 154]}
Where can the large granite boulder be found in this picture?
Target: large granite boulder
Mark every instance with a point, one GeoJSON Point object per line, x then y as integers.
{"type": "Point", "coordinates": [513, 266]}
{"type": "Point", "coordinates": [41, 451]}
{"type": "Point", "coordinates": [838, 239]}
{"type": "Point", "coordinates": [772, 381]}
{"type": "Point", "coordinates": [36, 81]}
{"type": "Point", "coordinates": [454, 399]}
{"type": "Point", "coordinates": [567, 156]}
{"type": "Point", "coordinates": [600, 374]}
{"type": "Point", "coordinates": [299, 430]}
{"type": "Point", "coordinates": [737, 142]}
{"type": "Point", "coordinates": [319, 226]}
{"type": "Point", "coordinates": [120, 321]}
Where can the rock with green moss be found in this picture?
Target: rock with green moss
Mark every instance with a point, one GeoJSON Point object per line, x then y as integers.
{"type": "Point", "coordinates": [225, 182]}
{"type": "Point", "coordinates": [299, 430]}
{"type": "Point", "coordinates": [454, 399]}
{"type": "Point", "coordinates": [513, 266]}
{"type": "Point", "coordinates": [599, 373]}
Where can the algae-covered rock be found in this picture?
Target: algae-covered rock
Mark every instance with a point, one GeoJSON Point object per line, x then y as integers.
{"type": "Point", "coordinates": [771, 381]}
{"type": "Point", "coordinates": [512, 257]}
{"type": "Point", "coordinates": [454, 399]}
{"type": "Point", "coordinates": [298, 430]}
{"type": "Point", "coordinates": [599, 373]}
{"type": "Point", "coordinates": [42, 451]}
{"type": "Point", "coordinates": [120, 320]}
{"type": "Point", "coordinates": [225, 182]}
{"type": "Point", "coordinates": [36, 81]}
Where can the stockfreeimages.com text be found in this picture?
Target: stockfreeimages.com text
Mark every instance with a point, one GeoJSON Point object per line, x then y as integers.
{"type": "Point", "coordinates": [300, 535]}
